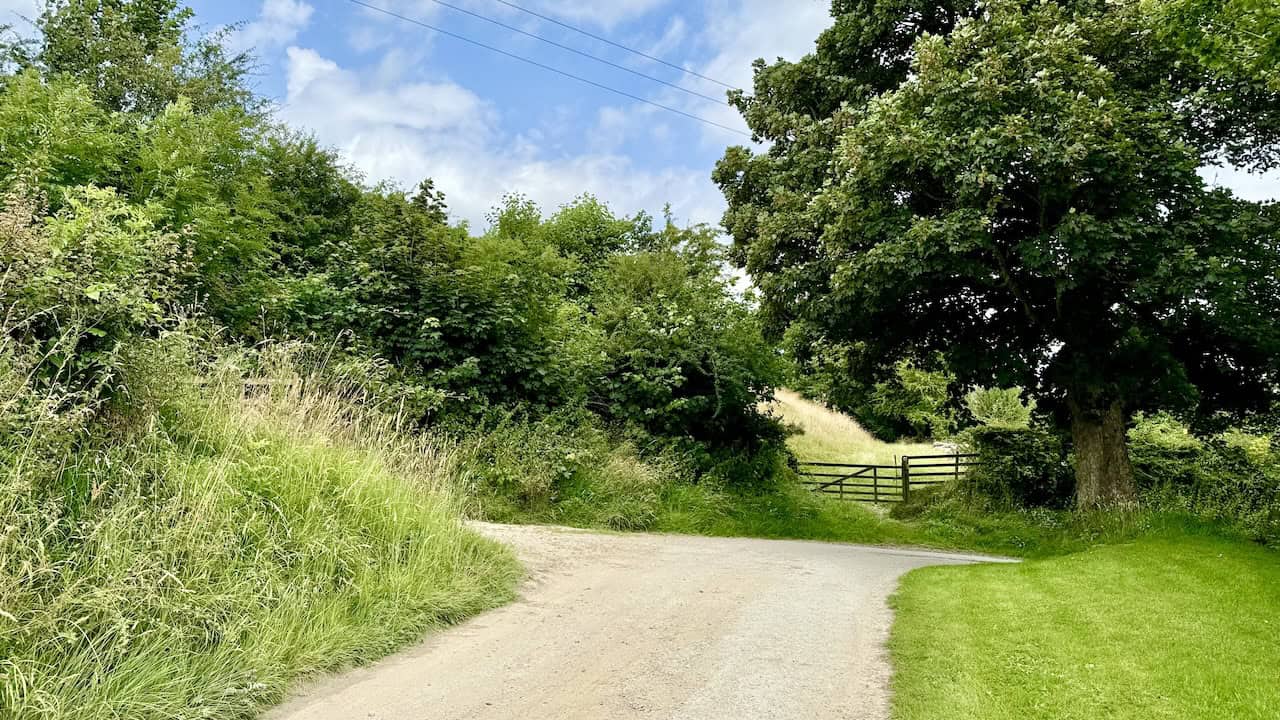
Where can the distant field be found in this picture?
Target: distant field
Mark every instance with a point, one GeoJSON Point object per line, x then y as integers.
{"type": "Point", "coordinates": [826, 435]}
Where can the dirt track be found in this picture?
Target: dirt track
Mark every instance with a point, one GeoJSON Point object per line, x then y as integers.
{"type": "Point", "coordinates": [645, 626]}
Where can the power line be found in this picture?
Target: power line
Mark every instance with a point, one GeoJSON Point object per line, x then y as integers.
{"type": "Point", "coordinates": [576, 51]}
{"type": "Point", "coordinates": [558, 71]}
{"type": "Point", "coordinates": [593, 36]}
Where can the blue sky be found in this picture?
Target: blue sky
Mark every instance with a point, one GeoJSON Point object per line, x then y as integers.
{"type": "Point", "coordinates": [402, 103]}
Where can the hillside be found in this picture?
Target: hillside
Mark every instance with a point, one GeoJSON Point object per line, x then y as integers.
{"type": "Point", "coordinates": [825, 435]}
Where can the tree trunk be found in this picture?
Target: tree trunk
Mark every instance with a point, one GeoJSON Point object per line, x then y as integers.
{"type": "Point", "coordinates": [1104, 476]}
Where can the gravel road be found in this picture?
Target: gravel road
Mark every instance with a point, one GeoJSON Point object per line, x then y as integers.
{"type": "Point", "coordinates": [650, 626]}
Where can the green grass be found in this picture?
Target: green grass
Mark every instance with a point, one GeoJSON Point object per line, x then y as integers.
{"type": "Point", "coordinates": [792, 512]}
{"type": "Point", "coordinates": [204, 566]}
{"type": "Point", "coordinates": [1175, 625]}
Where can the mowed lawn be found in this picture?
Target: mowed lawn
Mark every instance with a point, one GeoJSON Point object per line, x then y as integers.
{"type": "Point", "coordinates": [1167, 627]}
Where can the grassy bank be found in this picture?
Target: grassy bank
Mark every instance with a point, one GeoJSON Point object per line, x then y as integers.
{"type": "Point", "coordinates": [199, 569]}
{"type": "Point", "coordinates": [1175, 625]}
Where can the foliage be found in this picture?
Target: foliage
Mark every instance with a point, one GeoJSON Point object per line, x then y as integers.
{"type": "Point", "coordinates": [137, 56]}
{"type": "Point", "coordinates": [910, 398]}
{"type": "Point", "coordinates": [475, 318]}
{"type": "Point", "coordinates": [681, 357]}
{"type": "Point", "coordinates": [273, 237]}
{"type": "Point", "coordinates": [56, 135]}
{"type": "Point", "coordinates": [1016, 468]}
{"type": "Point", "coordinates": [1016, 186]}
{"type": "Point", "coordinates": [565, 469]}
{"type": "Point", "coordinates": [79, 287]}
{"type": "Point", "coordinates": [1237, 38]}
{"type": "Point", "coordinates": [1000, 408]}
{"type": "Point", "coordinates": [1232, 478]}
{"type": "Point", "coordinates": [916, 396]}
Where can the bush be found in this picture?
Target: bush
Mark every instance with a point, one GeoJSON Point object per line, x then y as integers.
{"type": "Point", "coordinates": [918, 397]}
{"type": "Point", "coordinates": [565, 468]}
{"type": "Point", "coordinates": [76, 289]}
{"type": "Point", "coordinates": [1017, 468]}
{"type": "Point", "coordinates": [1232, 478]}
{"type": "Point", "coordinates": [681, 356]}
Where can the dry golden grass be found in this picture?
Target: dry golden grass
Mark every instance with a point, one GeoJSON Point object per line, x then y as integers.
{"type": "Point", "coordinates": [825, 435]}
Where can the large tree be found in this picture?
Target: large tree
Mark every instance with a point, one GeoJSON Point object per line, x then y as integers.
{"type": "Point", "coordinates": [1017, 185]}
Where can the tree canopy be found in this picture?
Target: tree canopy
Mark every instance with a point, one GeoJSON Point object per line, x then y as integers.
{"type": "Point", "coordinates": [1016, 185]}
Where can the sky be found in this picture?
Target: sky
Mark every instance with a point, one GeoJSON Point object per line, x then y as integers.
{"type": "Point", "coordinates": [402, 103]}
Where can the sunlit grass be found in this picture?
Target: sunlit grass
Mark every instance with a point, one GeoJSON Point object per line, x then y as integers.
{"type": "Point", "coordinates": [1172, 626]}
{"type": "Point", "coordinates": [825, 435]}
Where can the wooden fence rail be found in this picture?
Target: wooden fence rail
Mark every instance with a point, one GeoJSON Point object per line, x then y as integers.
{"type": "Point", "coordinates": [883, 483]}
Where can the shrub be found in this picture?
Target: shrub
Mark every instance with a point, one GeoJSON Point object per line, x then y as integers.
{"type": "Point", "coordinates": [918, 397]}
{"type": "Point", "coordinates": [564, 468]}
{"type": "Point", "coordinates": [681, 356]}
{"type": "Point", "coordinates": [1232, 478]}
{"type": "Point", "coordinates": [1017, 468]}
{"type": "Point", "coordinates": [1000, 408]}
{"type": "Point", "coordinates": [79, 288]}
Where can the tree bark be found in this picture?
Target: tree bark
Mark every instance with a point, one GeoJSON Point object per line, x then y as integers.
{"type": "Point", "coordinates": [1104, 477]}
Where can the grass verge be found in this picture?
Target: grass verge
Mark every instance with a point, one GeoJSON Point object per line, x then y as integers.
{"type": "Point", "coordinates": [199, 569]}
{"type": "Point", "coordinates": [1176, 625]}
{"type": "Point", "coordinates": [793, 512]}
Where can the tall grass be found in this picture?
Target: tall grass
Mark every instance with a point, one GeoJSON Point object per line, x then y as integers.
{"type": "Point", "coordinates": [225, 549]}
{"type": "Point", "coordinates": [824, 435]}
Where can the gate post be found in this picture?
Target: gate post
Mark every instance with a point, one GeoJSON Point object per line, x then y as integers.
{"type": "Point", "coordinates": [906, 479]}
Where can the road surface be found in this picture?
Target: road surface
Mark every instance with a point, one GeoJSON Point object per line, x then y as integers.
{"type": "Point", "coordinates": [649, 626]}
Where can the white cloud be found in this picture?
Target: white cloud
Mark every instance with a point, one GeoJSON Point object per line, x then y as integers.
{"type": "Point", "coordinates": [405, 131]}
{"type": "Point", "coordinates": [742, 31]}
{"type": "Point", "coordinates": [672, 40]}
{"type": "Point", "coordinates": [598, 17]}
{"type": "Point", "coordinates": [278, 24]}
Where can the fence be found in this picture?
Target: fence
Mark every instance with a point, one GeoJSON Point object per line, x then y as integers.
{"type": "Point", "coordinates": [884, 483]}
